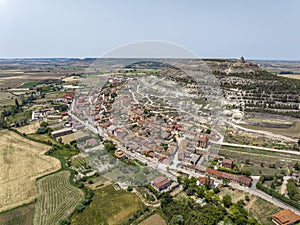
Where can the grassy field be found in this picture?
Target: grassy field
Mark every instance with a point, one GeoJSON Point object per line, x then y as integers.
{"type": "Point", "coordinates": [20, 216]}
{"type": "Point", "coordinates": [21, 162]}
{"type": "Point", "coordinates": [108, 207]}
{"type": "Point", "coordinates": [30, 84]}
{"type": "Point", "coordinates": [43, 137]}
{"type": "Point", "coordinates": [293, 131]}
{"type": "Point", "coordinates": [257, 169]}
{"type": "Point", "coordinates": [236, 195]}
{"type": "Point", "coordinates": [154, 219]}
{"type": "Point", "coordinates": [30, 128]}
{"type": "Point", "coordinates": [57, 198]}
{"type": "Point", "coordinates": [262, 210]}
{"type": "Point", "coordinates": [71, 137]}
{"type": "Point", "coordinates": [257, 207]}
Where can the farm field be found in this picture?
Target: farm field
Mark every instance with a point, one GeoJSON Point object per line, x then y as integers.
{"type": "Point", "coordinates": [12, 78]}
{"type": "Point", "coordinates": [20, 166]}
{"type": "Point", "coordinates": [20, 216]}
{"type": "Point", "coordinates": [80, 163]}
{"type": "Point", "coordinates": [108, 207]}
{"type": "Point", "coordinates": [30, 128]}
{"type": "Point", "coordinates": [293, 131]}
{"type": "Point", "coordinates": [291, 76]}
{"type": "Point", "coordinates": [71, 79]}
{"type": "Point", "coordinates": [154, 219]}
{"type": "Point", "coordinates": [56, 199]}
{"type": "Point", "coordinates": [257, 153]}
{"type": "Point", "coordinates": [71, 137]}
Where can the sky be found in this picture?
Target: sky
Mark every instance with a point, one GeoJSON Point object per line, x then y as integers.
{"type": "Point", "coordinates": [256, 29]}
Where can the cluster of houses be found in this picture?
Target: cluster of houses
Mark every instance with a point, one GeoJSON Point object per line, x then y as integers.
{"type": "Point", "coordinates": [152, 132]}
{"type": "Point", "coordinates": [105, 99]}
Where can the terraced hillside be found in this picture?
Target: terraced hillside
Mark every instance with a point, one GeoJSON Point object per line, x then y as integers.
{"type": "Point", "coordinates": [57, 198]}
{"type": "Point", "coordinates": [261, 91]}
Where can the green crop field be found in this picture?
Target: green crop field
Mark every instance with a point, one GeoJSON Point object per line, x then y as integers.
{"type": "Point", "coordinates": [108, 207]}
{"type": "Point", "coordinates": [30, 84]}
{"type": "Point", "coordinates": [80, 163]}
{"type": "Point", "coordinates": [57, 198]}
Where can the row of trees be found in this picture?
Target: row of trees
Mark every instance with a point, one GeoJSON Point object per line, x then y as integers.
{"type": "Point", "coordinates": [275, 194]}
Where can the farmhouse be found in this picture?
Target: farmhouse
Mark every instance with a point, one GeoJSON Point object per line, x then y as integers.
{"type": "Point", "coordinates": [61, 132]}
{"type": "Point", "coordinates": [285, 217]}
{"type": "Point", "coordinates": [160, 183]}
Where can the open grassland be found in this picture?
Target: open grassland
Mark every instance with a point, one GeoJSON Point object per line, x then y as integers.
{"type": "Point", "coordinates": [43, 137]}
{"type": "Point", "coordinates": [57, 198]}
{"type": "Point", "coordinates": [20, 216]}
{"type": "Point", "coordinates": [154, 219]}
{"type": "Point", "coordinates": [293, 131]}
{"type": "Point", "coordinates": [21, 162]}
{"type": "Point", "coordinates": [30, 128]}
{"type": "Point", "coordinates": [257, 207]}
{"type": "Point", "coordinates": [108, 207]}
{"type": "Point", "coordinates": [262, 210]}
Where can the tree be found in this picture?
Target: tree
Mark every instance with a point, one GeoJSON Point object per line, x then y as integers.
{"type": "Point", "coordinates": [17, 103]}
{"type": "Point", "coordinates": [225, 181]}
{"type": "Point", "coordinates": [227, 201]}
{"type": "Point", "coordinates": [216, 190]}
{"type": "Point", "coordinates": [177, 220]}
{"type": "Point", "coordinates": [247, 198]}
{"type": "Point", "coordinates": [208, 131]}
{"type": "Point", "coordinates": [64, 222]}
{"type": "Point", "coordinates": [179, 179]}
{"type": "Point", "coordinates": [43, 124]}
{"type": "Point", "coordinates": [41, 130]}
{"type": "Point", "coordinates": [299, 142]}
{"type": "Point", "coordinates": [207, 182]}
{"type": "Point", "coordinates": [297, 166]}
{"type": "Point", "coordinates": [80, 207]}
{"type": "Point", "coordinates": [109, 146]}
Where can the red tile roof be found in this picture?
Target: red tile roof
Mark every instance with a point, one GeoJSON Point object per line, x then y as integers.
{"type": "Point", "coordinates": [286, 217]}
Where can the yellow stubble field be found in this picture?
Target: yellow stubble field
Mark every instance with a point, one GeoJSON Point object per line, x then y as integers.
{"type": "Point", "coordinates": [21, 162]}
